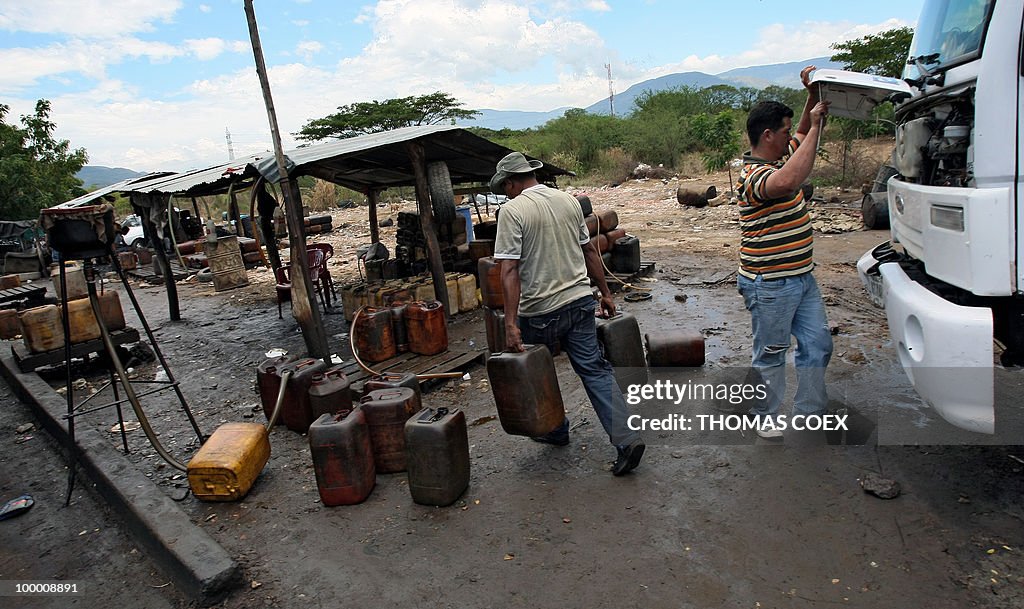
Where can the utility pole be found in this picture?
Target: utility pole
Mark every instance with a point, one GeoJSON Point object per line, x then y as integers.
{"type": "Point", "coordinates": [231, 150]}
{"type": "Point", "coordinates": [611, 89]}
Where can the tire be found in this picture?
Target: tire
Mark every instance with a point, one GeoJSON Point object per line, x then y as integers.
{"type": "Point", "coordinates": [139, 243]}
{"type": "Point", "coordinates": [442, 197]}
{"type": "Point", "coordinates": [875, 215]}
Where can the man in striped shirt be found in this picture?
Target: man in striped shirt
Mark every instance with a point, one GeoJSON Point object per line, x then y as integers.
{"type": "Point", "coordinates": [776, 256]}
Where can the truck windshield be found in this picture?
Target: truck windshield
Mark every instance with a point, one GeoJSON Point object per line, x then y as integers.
{"type": "Point", "coordinates": [949, 32]}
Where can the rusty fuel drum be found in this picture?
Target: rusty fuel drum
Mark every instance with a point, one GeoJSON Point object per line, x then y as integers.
{"type": "Point", "coordinates": [675, 348]}
{"type": "Point", "coordinates": [374, 337]}
{"type": "Point", "coordinates": [428, 331]}
{"type": "Point", "coordinates": [526, 391]}
{"type": "Point", "coordinates": [386, 411]}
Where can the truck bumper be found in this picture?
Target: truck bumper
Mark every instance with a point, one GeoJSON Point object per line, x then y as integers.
{"type": "Point", "coordinates": [945, 349]}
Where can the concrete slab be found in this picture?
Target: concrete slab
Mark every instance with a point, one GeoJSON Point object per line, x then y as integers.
{"type": "Point", "coordinates": [197, 563]}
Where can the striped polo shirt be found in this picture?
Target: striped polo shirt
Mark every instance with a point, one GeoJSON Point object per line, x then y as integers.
{"type": "Point", "coordinates": [776, 236]}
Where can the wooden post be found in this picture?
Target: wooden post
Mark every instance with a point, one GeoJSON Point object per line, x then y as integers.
{"type": "Point", "coordinates": [371, 196]}
{"type": "Point", "coordinates": [304, 308]}
{"type": "Point", "coordinates": [233, 212]}
{"type": "Point", "coordinates": [419, 166]}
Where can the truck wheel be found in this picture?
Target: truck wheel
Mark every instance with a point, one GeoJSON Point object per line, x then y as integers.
{"type": "Point", "coordinates": [442, 197]}
{"type": "Point", "coordinates": [873, 216]}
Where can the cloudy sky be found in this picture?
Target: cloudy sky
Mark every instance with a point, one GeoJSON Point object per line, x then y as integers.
{"type": "Point", "coordinates": [154, 84]}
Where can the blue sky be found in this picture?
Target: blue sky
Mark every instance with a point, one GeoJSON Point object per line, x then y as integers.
{"type": "Point", "coordinates": [153, 84]}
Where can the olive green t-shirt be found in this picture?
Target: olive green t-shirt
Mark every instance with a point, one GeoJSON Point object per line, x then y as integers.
{"type": "Point", "coordinates": [543, 229]}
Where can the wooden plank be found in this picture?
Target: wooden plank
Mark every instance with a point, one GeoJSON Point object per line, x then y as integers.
{"type": "Point", "coordinates": [28, 362]}
{"type": "Point", "coordinates": [447, 361]}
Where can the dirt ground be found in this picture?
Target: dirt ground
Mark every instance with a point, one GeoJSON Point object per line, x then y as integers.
{"type": "Point", "coordinates": [737, 522]}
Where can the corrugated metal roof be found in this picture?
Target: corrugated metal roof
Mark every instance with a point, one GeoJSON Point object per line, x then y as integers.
{"type": "Point", "coordinates": [91, 198]}
{"type": "Point", "coordinates": [199, 182]}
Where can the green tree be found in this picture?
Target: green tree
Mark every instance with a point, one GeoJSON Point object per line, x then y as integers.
{"type": "Point", "coordinates": [370, 117]}
{"type": "Point", "coordinates": [719, 139]}
{"type": "Point", "coordinates": [36, 171]}
{"type": "Point", "coordinates": [882, 54]}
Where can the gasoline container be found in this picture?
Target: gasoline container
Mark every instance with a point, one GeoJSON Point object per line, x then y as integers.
{"type": "Point", "coordinates": [425, 292]}
{"type": "Point", "coordinates": [74, 276]}
{"type": "Point", "coordinates": [451, 283]}
{"type": "Point", "coordinates": [41, 328]}
{"type": "Point", "coordinates": [526, 391]}
{"type": "Point", "coordinates": [10, 281]}
{"type": "Point", "coordinates": [675, 348]}
{"type": "Point", "coordinates": [494, 322]}
{"type": "Point", "coordinates": [437, 456]}
{"type": "Point", "coordinates": [110, 310]}
{"type": "Point", "coordinates": [81, 321]}
{"type": "Point", "coordinates": [10, 327]}
{"type": "Point", "coordinates": [349, 299]}
{"type": "Point", "coordinates": [226, 465]}
{"type": "Point", "coordinates": [268, 379]}
{"type": "Point", "coordinates": [626, 255]}
{"type": "Point", "coordinates": [295, 409]}
{"type": "Point", "coordinates": [467, 292]}
{"type": "Point", "coordinates": [398, 326]}
{"type": "Point", "coordinates": [342, 457]}
{"type": "Point", "coordinates": [374, 338]}
{"type": "Point", "coordinates": [386, 412]}
{"type": "Point", "coordinates": [489, 271]}
{"type": "Point", "coordinates": [128, 260]}
{"type": "Point", "coordinates": [425, 323]}
{"type": "Point", "coordinates": [391, 380]}
{"type": "Point", "coordinates": [329, 393]}
{"type": "Point", "coordinates": [608, 220]}
{"type": "Point", "coordinates": [623, 348]}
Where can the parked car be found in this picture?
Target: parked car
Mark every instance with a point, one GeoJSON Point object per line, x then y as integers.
{"type": "Point", "coordinates": [135, 237]}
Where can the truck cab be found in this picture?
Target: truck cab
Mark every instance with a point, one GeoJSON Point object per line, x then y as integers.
{"type": "Point", "coordinates": [950, 278]}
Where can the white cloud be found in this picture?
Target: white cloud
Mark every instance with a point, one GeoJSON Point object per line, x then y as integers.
{"type": "Point", "coordinates": [307, 48]}
{"type": "Point", "coordinates": [300, 22]}
{"type": "Point", "coordinates": [205, 49]}
{"type": "Point", "coordinates": [205, 8]}
{"type": "Point", "coordinates": [86, 18]}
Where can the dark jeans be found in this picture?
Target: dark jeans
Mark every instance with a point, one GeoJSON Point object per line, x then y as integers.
{"type": "Point", "coordinates": [573, 327]}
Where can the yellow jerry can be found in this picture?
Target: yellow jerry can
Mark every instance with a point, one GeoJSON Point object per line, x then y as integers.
{"type": "Point", "coordinates": [228, 463]}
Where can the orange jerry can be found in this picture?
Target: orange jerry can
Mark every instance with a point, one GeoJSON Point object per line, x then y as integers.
{"type": "Point", "coordinates": [386, 412]}
{"type": "Point", "coordinates": [41, 328]}
{"type": "Point", "coordinates": [342, 457]}
{"type": "Point", "coordinates": [228, 463]}
{"type": "Point", "coordinates": [9, 324]}
{"type": "Point", "coordinates": [374, 337]}
{"type": "Point", "coordinates": [428, 331]}
{"type": "Point", "coordinates": [490, 282]}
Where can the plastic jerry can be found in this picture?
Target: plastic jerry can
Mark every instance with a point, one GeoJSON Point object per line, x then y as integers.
{"type": "Point", "coordinates": [467, 293]}
{"type": "Point", "coordinates": [9, 324]}
{"type": "Point", "coordinates": [295, 409]}
{"type": "Point", "coordinates": [110, 310]}
{"type": "Point", "coordinates": [374, 337]}
{"type": "Point", "coordinates": [228, 463]}
{"type": "Point", "coordinates": [41, 328]}
{"type": "Point", "coordinates": [425, 323]}
{"type": "Point", "coordinates": [437, 456]}
{"type": "Point", "coordinates": [10, 281]}
{"type": "Point", "coordinates": [489, 271]}
{"type": "Point", "coordinates": [329, 393]}
{"type": "Point", "coordinates": [386, 412]}
{"type": "Point", "coordinates": [675, 348]}
{"type": "Point", "coordinates": [526, 391]}
{"type": "Point", "coordinates": [268, 380]}
{"type": "Point", "coordinates": [425, 291]}
{"type": "Point", "coordinates": [623, 348]}
{"type": "Point", "coordinates": [390, 380]}
{"type": "Point", "coordinates": [342, 457]}
{"type": "Point", "coordinates": [626, 255]}
{"type": "Point", "coordinates": [81, 321]}
{"type": "Point", "coordinates": [494, 322]}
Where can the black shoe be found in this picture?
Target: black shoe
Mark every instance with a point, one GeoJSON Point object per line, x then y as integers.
{"type": "Point", "coordinates": [558, 437]}
{"type": "Point", "coordinates": [629, 458]}
{"type": "Point", "coordinates": [552, 441]}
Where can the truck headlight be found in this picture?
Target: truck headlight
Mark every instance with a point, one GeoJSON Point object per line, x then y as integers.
{"type": "Point", "coordinates": [950, 218]}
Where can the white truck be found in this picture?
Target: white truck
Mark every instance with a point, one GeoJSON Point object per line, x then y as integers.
{"type": "Point", "coordinates": [951, 278]}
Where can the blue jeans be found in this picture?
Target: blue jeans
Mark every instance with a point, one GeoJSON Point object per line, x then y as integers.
{"type": "Point", "coordinates": [573, 327]}
{"type": "Point", "coordinates": [780, 308]}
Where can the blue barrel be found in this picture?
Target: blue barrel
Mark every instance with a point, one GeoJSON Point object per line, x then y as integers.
{"type": "Point", "coordinates": [467, 213]}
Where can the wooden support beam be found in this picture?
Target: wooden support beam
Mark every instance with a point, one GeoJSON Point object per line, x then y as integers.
{"type": "Point", "coordinates": [304, 308]}
{"type": "Point", "coordinates": [371, 198]}
{"type": "Point", "coordinates": [419, 166]}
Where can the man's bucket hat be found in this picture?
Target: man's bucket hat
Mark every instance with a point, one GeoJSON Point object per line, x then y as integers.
{"type": "Point", "coordinates": [512, 163]}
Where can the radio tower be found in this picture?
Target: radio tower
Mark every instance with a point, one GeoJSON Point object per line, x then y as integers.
{"type": "Point", "coordinates": [611, 89]}
{"type": "Point", "coordinates": [231, 150]}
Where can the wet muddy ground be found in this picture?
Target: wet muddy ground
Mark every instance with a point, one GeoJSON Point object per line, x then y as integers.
{"type": "Point", "coordinates": [738, 522]}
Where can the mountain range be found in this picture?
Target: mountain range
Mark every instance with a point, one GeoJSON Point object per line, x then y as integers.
{"type": "Point", "coordinates": [781, 74]}
{"type": "Point", "coordinates": [759, 77]}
